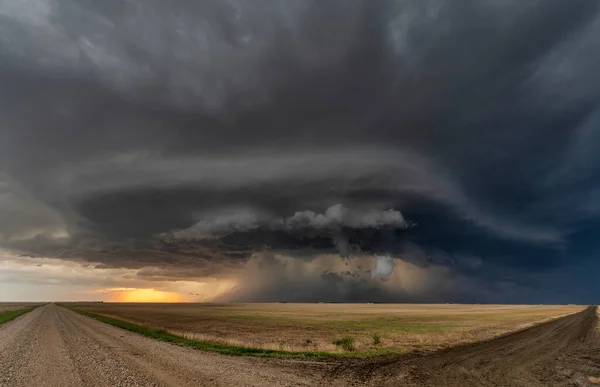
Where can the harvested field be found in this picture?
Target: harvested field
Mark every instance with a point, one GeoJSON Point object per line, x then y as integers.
{"type": "Point", "coordinates": [334, 328]}
{"type": "Point", "coordinates": [10, 306]}
{"type": "Point", "coordinates": [562, 352]}
{"type": "Point", "coordinates": [12, 311]}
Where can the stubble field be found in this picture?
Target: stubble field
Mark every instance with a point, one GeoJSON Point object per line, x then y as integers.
{"type": "Point", "coordinates": [11, 310]}
{"type": "Point", "coordinates": [350, 329]}
{"type": "Point", "coordinates": [11, 306]}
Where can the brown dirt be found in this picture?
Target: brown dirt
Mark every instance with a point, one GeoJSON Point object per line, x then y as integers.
{"type": "Point", "coordinates": [563, 352]}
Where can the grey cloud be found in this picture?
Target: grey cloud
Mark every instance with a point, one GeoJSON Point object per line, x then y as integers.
{"type": "Point", "coordinates": [22, 216]}
{"type": "Point", "coordinates": [133, 127]}
{"type": "Point", "coordinates": [222, 223]}
{"type": "Point", "coordinates": [338, 216]}
{"type": "Point", "coordinates": [335, 217]}
{"type": "Point", "coordinates": [383, 268]}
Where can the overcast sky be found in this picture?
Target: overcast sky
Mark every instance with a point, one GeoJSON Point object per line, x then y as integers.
{"type": "Point", "coordinates": [300, 150]}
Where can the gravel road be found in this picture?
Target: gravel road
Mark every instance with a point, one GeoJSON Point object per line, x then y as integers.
{"type": "Point", "coordinates": [53, 346]}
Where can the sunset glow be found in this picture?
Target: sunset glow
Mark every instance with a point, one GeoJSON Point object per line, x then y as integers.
{"type": "Point", "coordinates": [144, 295]}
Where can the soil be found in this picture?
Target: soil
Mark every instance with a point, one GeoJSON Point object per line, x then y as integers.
{"type": "Point", "coordinates": [562, 352]}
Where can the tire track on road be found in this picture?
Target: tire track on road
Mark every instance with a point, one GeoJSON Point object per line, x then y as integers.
{"type": "Point", "coordinates": [53, 346]}
{"type": "Point", "coordinates": [32, 352]}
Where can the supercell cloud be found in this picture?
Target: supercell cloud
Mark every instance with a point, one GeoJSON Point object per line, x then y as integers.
{"type": "Point", "coordinates": [416, 150]}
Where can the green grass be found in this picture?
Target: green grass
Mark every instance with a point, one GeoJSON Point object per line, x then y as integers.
{"type": "Point", "coordinates": [347, 343]}
{"type": "Point", "coordinates": [13, 314]}
{"type": "Point", "coordinates": [376, 339]}
{"type": "Point", "coordinates": [160, 334]}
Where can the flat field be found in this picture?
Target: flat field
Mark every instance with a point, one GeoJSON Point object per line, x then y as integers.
{"type": "Point", "coordinates": [11, 310]}
{"type": "Point", "coordinates": [10, 306]}
{"type": "Point", "coordinates": [357, 328]}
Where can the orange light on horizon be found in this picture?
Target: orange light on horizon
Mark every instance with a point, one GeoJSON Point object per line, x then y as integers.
{"type": "Point", "coordinates": [144, 295]}
{"type": "Point", "coordinates": [180, 291]}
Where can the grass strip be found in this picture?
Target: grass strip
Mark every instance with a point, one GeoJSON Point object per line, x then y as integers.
{"type": "Point", "coordinates": [162, 335]}
{"type": "Point", "coordinates": [13, 314]}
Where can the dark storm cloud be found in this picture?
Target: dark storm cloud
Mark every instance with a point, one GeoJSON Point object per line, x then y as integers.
{"type": "Point", "coordinates": [169, 134]}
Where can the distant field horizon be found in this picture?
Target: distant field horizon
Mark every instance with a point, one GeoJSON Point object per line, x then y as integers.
{"type": "Point", "coordinates": [358, 328]}
{"type": "Point", "coordinates": [283, 303]}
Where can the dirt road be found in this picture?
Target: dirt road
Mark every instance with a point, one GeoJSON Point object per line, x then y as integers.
{"type": "Point", "coordinates": [563, 352]}
{"type": "Point", "coordinates": [53, 346]}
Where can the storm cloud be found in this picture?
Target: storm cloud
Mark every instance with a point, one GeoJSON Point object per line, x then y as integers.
{"type": "Point", "coordinates": [190, 140]}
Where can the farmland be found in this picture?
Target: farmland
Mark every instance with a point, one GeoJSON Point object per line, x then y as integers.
{"type": "Point", "coordinates": [54, 346]}
{"type": "Point", "coordinates": [11, 306]}
{"type": "Point", "coordinates": [10, 311]}
{"type": "Point", "coordinates": [359, 329]}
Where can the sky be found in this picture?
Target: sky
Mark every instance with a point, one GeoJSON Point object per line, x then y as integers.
{"type": "Point", "coordinates": [300, 151]}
